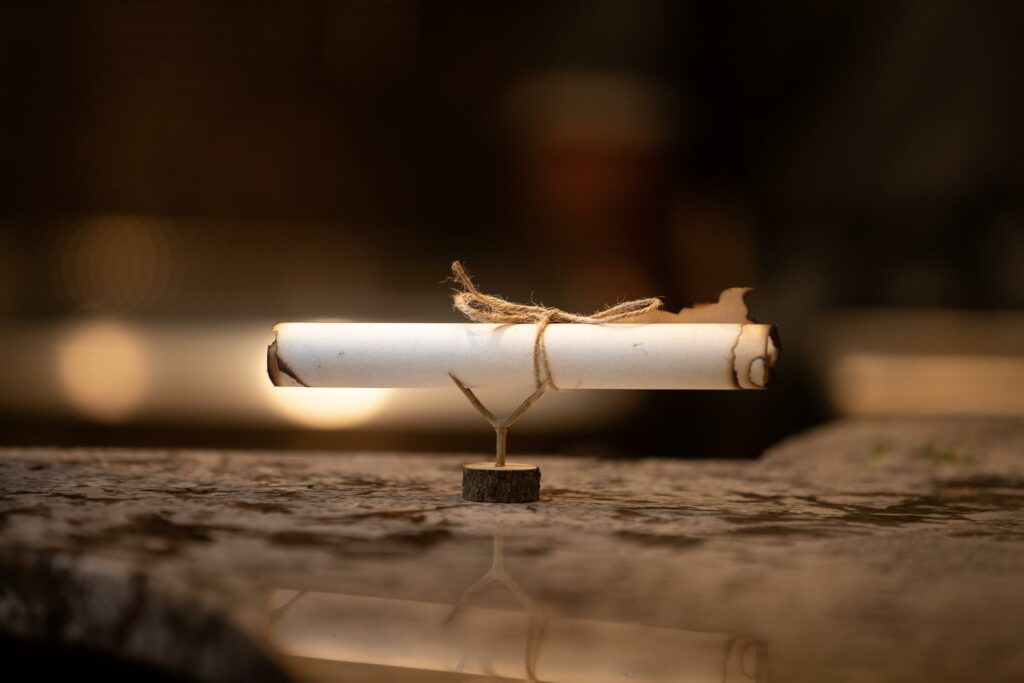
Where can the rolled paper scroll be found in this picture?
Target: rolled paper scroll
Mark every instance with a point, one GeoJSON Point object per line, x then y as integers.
{"type": "Point", "coordinates": [663, 355]}
{"type": "Point", "coordinates": [502, 644]}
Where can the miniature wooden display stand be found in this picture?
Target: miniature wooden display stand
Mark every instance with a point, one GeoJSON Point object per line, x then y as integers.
{"type": "Point", "coordinates": [630, 345]}
{"type": "Point", "coordinates": [500, 481]}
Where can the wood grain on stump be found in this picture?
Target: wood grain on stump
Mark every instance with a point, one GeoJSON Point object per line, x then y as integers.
{"type": "Point", "coordinates": [484, 482]}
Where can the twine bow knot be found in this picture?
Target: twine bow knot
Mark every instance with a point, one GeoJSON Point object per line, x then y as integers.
{"type": "Point", "coordinates": [488, 308]}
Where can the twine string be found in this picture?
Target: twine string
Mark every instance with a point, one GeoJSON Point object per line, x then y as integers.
{"type": "Point", "coordinates": [488, 308]}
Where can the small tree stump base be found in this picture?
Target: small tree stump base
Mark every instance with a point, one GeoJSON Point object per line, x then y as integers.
{"type": "Point", "coordinates": [516, 482]}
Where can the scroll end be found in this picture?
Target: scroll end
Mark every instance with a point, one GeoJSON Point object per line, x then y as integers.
{"type": "Point", "coordinates": [278, 371]}
{"type": "Point", "coordinates": [764, 376]}
{"type": "Point", "coordinates": [754, 355]}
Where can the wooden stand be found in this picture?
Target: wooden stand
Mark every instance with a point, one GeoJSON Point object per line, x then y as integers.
{"type": "Point", "coordinates": [485, 482]}
{"type": "Point", "coordinates": [500, 482]}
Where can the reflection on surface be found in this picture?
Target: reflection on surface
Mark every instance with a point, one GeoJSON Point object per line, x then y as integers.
{"type": "Point", "coordinates": [537, 643]}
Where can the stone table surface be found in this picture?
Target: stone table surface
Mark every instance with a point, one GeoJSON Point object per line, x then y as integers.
{"type": "Point", "coordinates": [861, 551]}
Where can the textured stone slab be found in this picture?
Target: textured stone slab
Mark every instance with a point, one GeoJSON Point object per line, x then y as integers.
{"type": "Point", "coordinates": [887, 550]}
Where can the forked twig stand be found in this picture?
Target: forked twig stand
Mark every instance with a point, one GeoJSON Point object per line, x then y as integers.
{"type": "Point", "coordinates": [501, 424]}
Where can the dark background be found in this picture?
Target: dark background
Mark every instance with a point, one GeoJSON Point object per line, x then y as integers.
{"type": "Point", "coordinates": [267, 160]}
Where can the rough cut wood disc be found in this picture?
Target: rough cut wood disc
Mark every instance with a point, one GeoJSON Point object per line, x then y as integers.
{"type": "Point", "coordinates": [516, 482]}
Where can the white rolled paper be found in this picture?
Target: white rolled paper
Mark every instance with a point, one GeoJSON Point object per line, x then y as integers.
{"type": "Point", "coordinates": [611, 356]}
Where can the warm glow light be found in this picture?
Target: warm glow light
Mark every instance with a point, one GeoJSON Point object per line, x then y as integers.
{"type": "Point", "coordinates": [103, 370]}
{"type": "Point", "coordinates": [324, 408]}
{"type": "Point", "coordinates": [904, 384]}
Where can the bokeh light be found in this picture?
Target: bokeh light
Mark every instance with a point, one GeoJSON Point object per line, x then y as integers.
{"type": "Point", "coordinates": [103, 369]}
{"type": "Point", "coordinates": [323, 408]}
{"type": "Point", "coordinates": [117, 263]}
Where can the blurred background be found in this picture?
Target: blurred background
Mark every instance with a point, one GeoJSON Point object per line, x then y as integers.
{"type": "Point", "coordinates": [177, 176]}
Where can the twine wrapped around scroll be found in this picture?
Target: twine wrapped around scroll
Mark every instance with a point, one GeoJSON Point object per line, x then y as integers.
{"type": "Point", "coordinates": [487, 308]}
